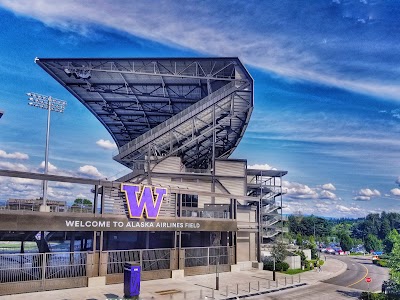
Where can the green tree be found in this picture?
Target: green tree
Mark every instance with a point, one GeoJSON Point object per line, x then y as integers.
{"type": "Point", "coordinates": [373, 243]}
{"type": "Point", "coordinates": [279, 252]}
{"type": "Point", "coordinates": [385, 228]}
{"type": "Point", "coordinates": [303, 257]}
{"type": "Point", "coordinates": [390, 240]}
{"type": "Point", "coordinates": [299, 240]}
{"type": "Point", "coordinates": [346, 242]}
{"type": "Point", "coordinates": [394, 262]}
{"type": "Point", "coordinates": [80, 201]}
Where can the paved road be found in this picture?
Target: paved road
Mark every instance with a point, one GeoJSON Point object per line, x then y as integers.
{"type": "Point", "coordinates": [358, 268]}
{"type": "Point", "coordinates": [348, 285]}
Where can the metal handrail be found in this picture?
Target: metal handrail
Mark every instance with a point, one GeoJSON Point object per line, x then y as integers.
{"type": "Point", "coordinates": [162, 128]}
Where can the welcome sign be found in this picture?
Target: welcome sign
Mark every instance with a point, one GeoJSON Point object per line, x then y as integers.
{"type": "Point", "coordinates": [143, 199]}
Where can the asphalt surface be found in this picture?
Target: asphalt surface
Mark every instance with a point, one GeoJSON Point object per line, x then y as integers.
{"type": "Point", "coordinates": [318, 291]}
{"type": "Point", "coordinates": [358, 269]}
{"type": "Point", "coordinates": [347, 285]}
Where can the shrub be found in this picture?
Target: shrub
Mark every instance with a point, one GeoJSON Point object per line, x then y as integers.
{"type": "Point", "coordinates": [281, 266]}
{"type": "Point", "coordinates": [269, 265]}
{"type": "Point", "coordinates": [308, 265]}
{"type": "Point", "coordinates": [373, 296]}
{"type": "Point", "coordinates": [382, 263]}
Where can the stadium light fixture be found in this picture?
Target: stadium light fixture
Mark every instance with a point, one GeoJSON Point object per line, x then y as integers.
{"type": "Point", "coordinates": [1, 113]}
{"type": "Point", "coordinates": [50, 104]}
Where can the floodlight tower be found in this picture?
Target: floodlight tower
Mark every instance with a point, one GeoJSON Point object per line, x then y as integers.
{"type": "Point", "coordinates": [51, 104]}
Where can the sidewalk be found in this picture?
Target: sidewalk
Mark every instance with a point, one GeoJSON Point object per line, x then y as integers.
{"type": "Point", "coordinates": [193, 287]}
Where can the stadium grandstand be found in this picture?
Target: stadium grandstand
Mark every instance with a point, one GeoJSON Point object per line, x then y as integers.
{"type": "Point", "coordinates": [176, 122]}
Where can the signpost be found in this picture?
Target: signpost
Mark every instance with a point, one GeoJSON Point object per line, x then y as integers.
{"type": "Point", "coordinates": [368, 280]}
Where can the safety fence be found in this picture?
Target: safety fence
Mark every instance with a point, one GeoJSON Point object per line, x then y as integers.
{"type": "Point", "coordinates": [47, 271]}
{"type": "Point", "coordinates": [195, 257]}
{"type": "Point", "coordinates": [148, 259]}
{"type": "Point", "coordinates": [41, 271]}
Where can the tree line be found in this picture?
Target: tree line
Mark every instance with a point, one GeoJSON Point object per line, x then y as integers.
{"type": "Point", "coordinates": [371, 231]}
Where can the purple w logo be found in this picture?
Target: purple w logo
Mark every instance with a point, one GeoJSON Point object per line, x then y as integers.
{"type": "Point", "coordinates": [139, 200]}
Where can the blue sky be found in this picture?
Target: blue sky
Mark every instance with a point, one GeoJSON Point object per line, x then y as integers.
{"type": "Point", "coordinates": [327, 89]}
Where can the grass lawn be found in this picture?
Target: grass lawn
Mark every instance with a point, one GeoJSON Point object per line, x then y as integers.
{"type": "Point", "coordinates": [295, 271]}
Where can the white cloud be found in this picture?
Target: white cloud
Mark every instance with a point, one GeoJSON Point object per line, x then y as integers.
{"type": "Point", "coordinates": [24, 181]}
{"type": "Point", "coordinates": [299, 191]}
{"type": "Point", "coordinates": [296, 190]}
{"type": "Point", "coordinates": [321, 207]}
{"type": "Point", "coordinates": [328, 195]}
{"type": "Point", "coordinates": [267, 48]}
{"type": "Point", "coordinates": [366, 194]}
{"type": "Point", "coordinates": [261, 167]}
{"type": "Point", "coordinates": [64, 185]}
{"type": "Point", "coordinates": [396, 113]}
{"type": "Point", "coordinates": [84, 196]}
{"type": "Point", "coordinates": [106, 144]}
{"type": "Point", "coordinates": [329, 186]}
{"type": "Point", "coordinates": [52, 168]}
{"type": "Point", "coordinates": [395, 192]}
{"type": "Point", "coordinates": [362, 198]}
{"type": "Point", "coordinates": [369, 192]}
{"type": "Point", "coordinates": [342, 208]}
{"type": "Point", "coordinates": [90, 171]}
{"type": "Point", "coordinates": [346, 209]}
{"type": "Point", "coordinates": [15, 155]}
{"type": "Point", "coordinates": [12, 166]}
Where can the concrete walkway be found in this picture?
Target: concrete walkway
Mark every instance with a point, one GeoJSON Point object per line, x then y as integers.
{"type": "Point", "coordinates": [194, 287]}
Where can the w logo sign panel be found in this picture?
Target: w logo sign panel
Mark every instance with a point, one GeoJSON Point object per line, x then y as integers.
{"type": "Point", "coordinates": [146, 199]}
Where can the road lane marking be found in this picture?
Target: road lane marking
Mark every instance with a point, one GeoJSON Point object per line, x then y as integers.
{"type": "Point", "coordinates": [361, 278]}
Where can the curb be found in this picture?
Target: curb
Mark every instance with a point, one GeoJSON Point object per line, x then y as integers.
{"type": "Point", "coordinates": [266, 292]}
{"type": "Point", "coordinates": [342, 269]}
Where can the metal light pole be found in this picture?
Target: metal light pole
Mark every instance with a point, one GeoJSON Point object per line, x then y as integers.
{"type": "Point", "coordinates": [51, 104]}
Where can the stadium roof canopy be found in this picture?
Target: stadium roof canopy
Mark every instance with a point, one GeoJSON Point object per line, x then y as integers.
{"type": "Point", "coordinates": [162, 106]}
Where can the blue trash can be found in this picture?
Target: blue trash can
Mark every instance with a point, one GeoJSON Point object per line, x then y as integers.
{"type": "Point", "coordinates": [132, 280]}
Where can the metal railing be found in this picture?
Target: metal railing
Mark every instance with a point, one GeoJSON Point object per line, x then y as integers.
{"type": "Point", "coordinates": [148, 259]}
{"type": "Point", "coordinates": [219, 94]}
{"type": "Point", "coordinates": [42, 266]}
{"type": "Point", "coordinates": [275, 219]}
{"type": "Point", "coordinates": [270, 208]}
{"type": "Point", "coordinates": [195, 257]}
{"type": "Point", "coordinates": [60, 209]}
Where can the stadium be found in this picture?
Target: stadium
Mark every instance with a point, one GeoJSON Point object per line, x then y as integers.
{"type": "Point", "coordinates": [185, 208]}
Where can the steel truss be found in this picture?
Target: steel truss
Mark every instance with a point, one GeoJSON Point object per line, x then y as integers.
{"type": "Point", "coordinates": [194, 108]}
